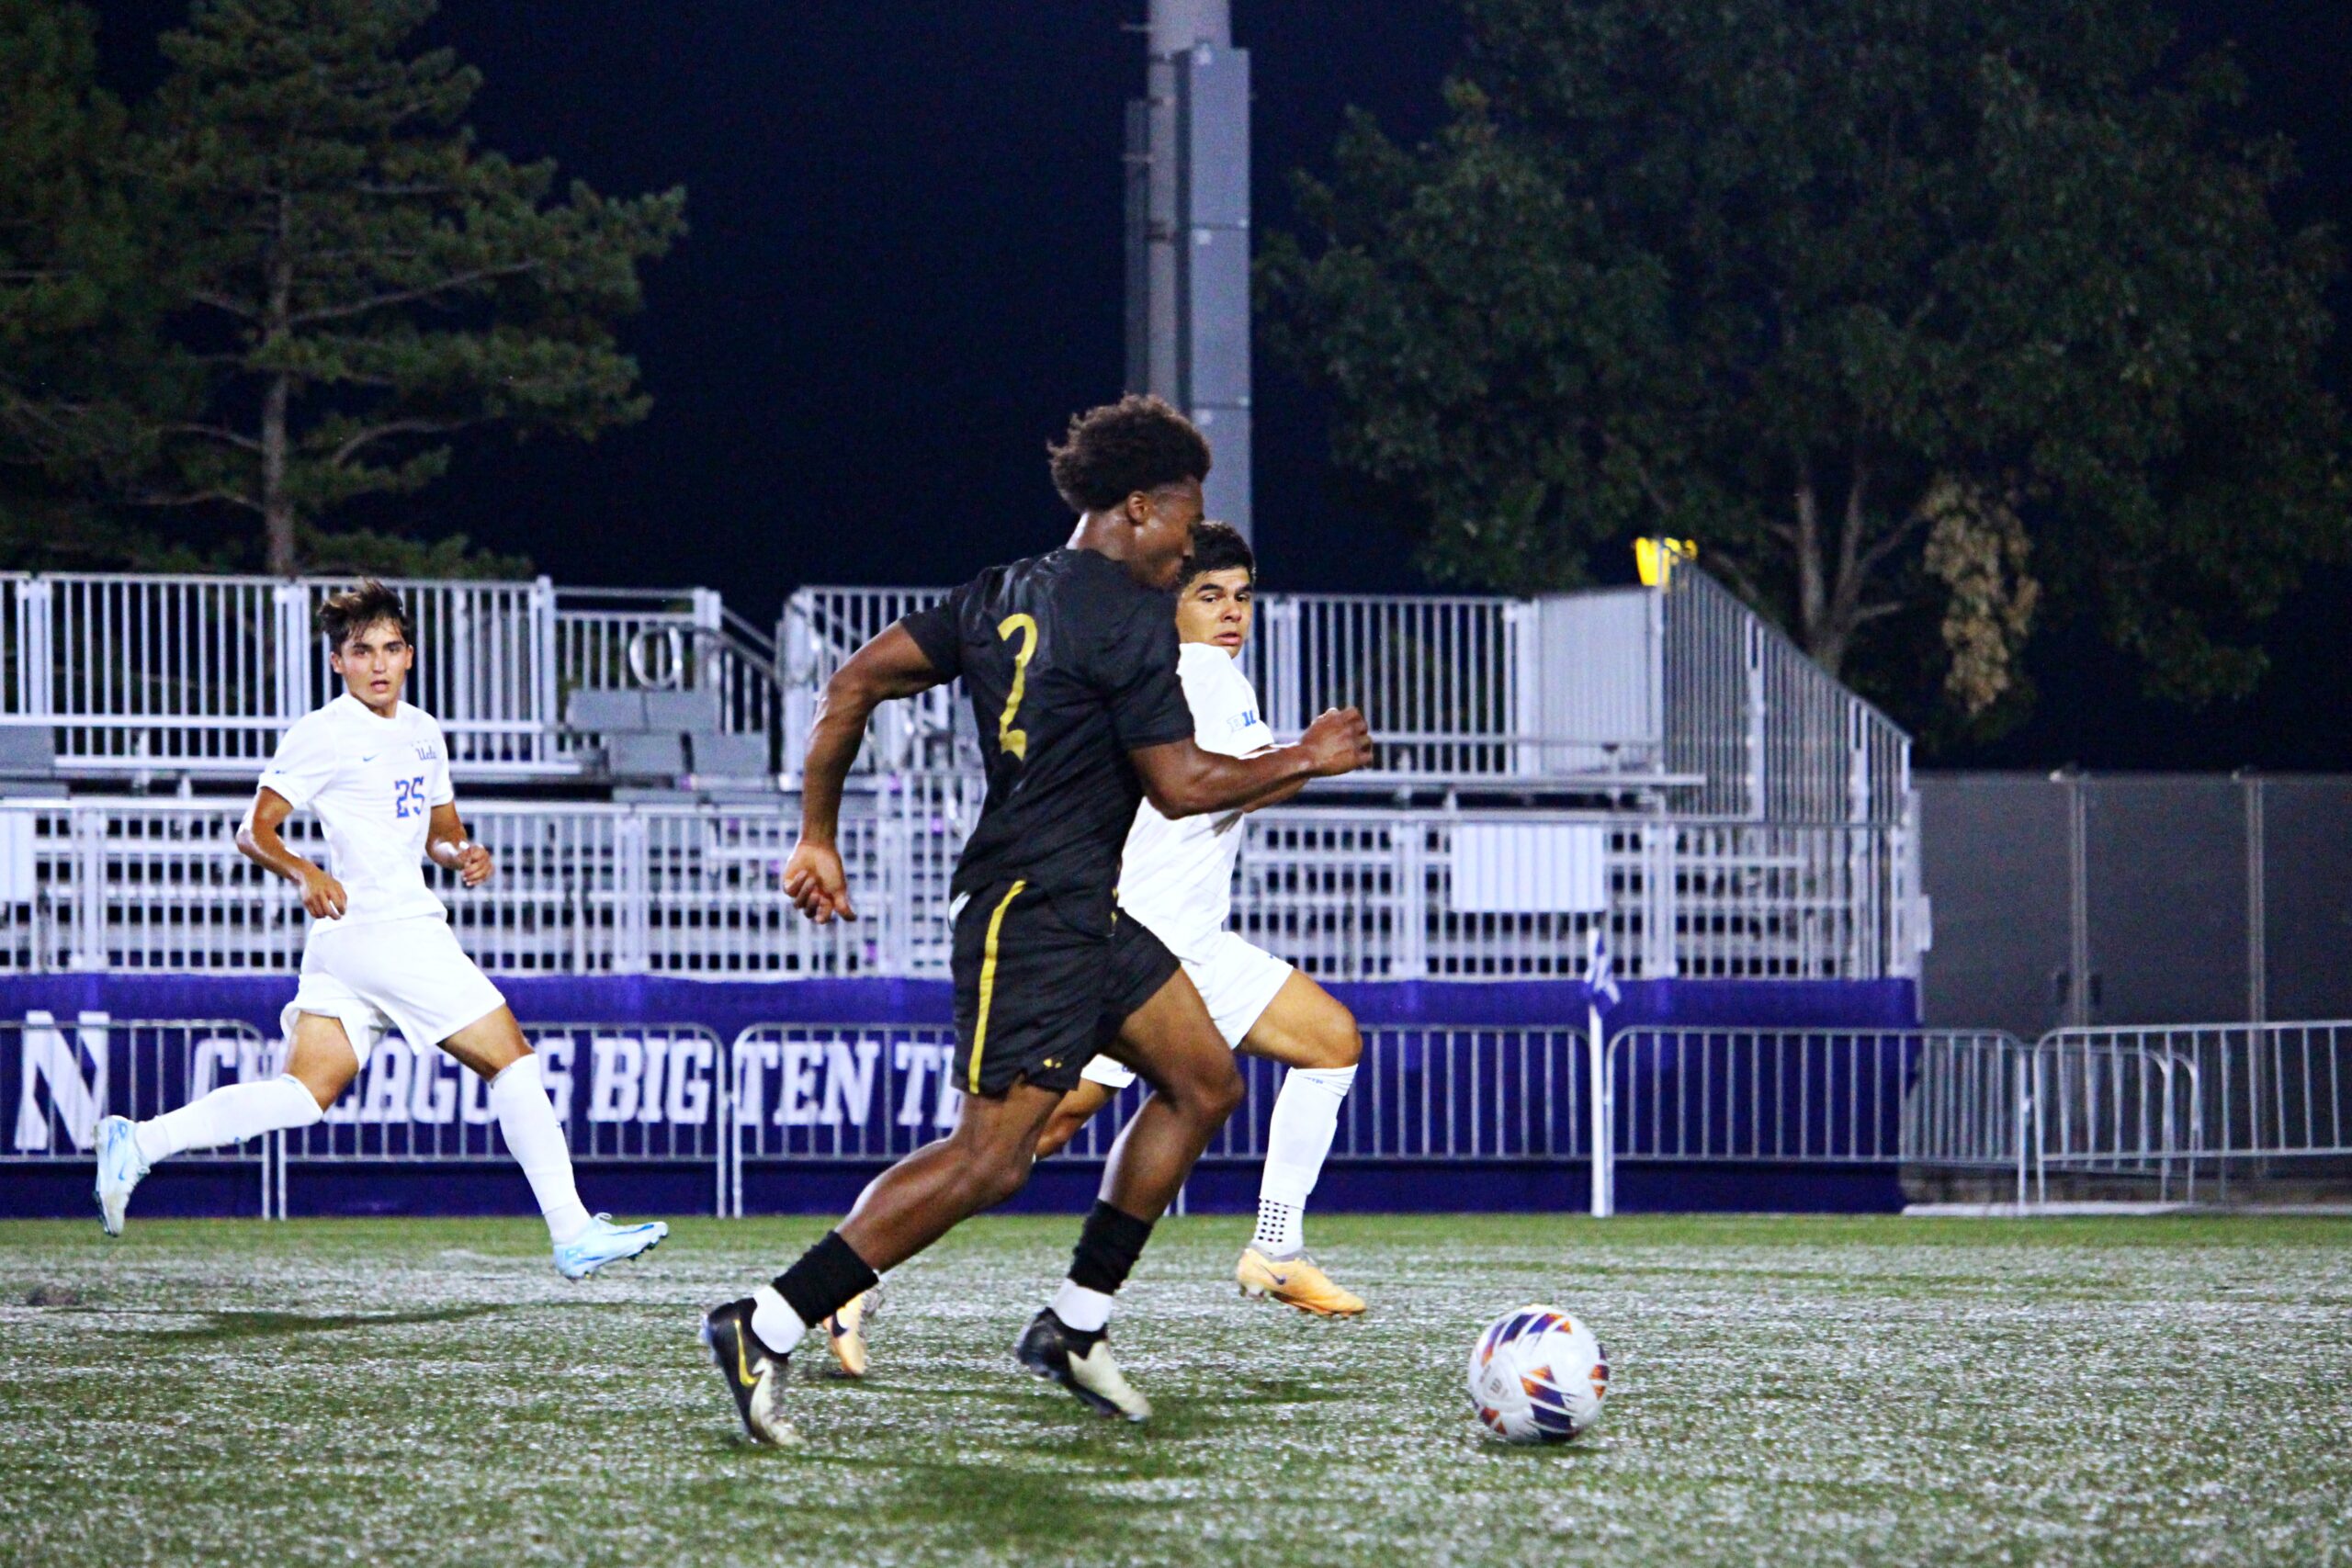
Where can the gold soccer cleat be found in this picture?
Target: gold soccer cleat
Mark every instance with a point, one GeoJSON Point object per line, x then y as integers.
{"type": "Point", "coordinates": [845, 1332]}
{"type": "Point", "coordinates": [1294, 1282]}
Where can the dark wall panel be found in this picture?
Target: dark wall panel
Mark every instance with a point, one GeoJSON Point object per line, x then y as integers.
{"type": "Point", "coordinates": [1993, 862]}
{"type": "Point", "coordinates": [2168, 899]}
{"type": "Point", "coordinates": [2166, 878]}
{"type": "Point", "coordinates": [2307, 883]}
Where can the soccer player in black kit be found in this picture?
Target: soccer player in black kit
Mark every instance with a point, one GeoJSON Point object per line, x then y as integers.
{"type": "Point", "coordinates": [1070, 661]}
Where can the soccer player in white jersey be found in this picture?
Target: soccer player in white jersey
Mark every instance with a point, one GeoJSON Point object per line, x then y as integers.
{"type": "Point", "coordinates": [379, 955]}
{"type": "Point", "coordinates": [1176, 876]}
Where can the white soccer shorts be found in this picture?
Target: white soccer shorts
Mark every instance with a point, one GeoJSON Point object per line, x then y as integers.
{"type": "Point", "coordinates": [1236, 979]}
{"type": "Point", "coordinates": [406, 974]}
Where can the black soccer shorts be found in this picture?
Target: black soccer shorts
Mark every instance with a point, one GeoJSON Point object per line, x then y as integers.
{"type": "Point", "coordinates": [1033, 988]}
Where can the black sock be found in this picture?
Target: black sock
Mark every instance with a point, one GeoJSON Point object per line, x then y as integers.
{"type": "Point", "coordinates": [1107, 1249]}
{"type": "Point", "coordinates": [829, 1275]}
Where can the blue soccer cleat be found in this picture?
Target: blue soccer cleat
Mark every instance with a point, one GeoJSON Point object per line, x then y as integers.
{"type": "Point", "coordinates": [120, 1164]}
{"type": "Point", "coordinates": [604, 1242]}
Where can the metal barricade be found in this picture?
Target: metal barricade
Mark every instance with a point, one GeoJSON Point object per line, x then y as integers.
{"type": "Point", "coordinates": [60, 1079]}
{"type": "Point", "coordinates": [834, 1092]}
{"type": "Point", "coordinates": [870, 1093]}
{"type": "Point", "coordinates": [1972, 1107]}
{"type": "Point", "coordinates": [1454, 1092]}
{"type": "Point", "coordinates": [2172, 1103]}
{"type": "Point", "coordinates": [1764, 1095]}
{"type": "Point", "coordinates": [625, 1093]}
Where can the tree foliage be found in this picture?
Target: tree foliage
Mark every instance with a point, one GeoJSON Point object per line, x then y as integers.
{"type": "Point", "coordinates": [359, 279]}
{"type": "Point", "coordinates": [82, 375]}
{"type": "Point", "coordinates": [1920, 317]}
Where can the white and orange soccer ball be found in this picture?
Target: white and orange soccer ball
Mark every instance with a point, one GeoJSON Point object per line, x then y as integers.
{"type": "Point", "coordinates": [1538, 1376]}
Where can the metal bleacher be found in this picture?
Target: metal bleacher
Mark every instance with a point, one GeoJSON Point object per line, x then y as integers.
{"type": "Point", "coordinates": [1660, 762]}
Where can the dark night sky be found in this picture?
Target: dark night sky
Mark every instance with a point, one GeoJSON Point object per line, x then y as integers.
{"type": "Point", "coordinates": [904, 273]}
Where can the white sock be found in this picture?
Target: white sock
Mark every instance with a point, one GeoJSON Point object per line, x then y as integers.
{"type": "Point", "coordinates": [230, 1114]}
{"type": "Point", "coordinates": [1281, 1233]}
{"type": "Point", "coordinates": [773, 1319]}
{"type": "Point", "coordinates": [1080, 1308]}
{"type": "Point", "coordinates": [535, 1138]}
{"type": "Point", "coordinates": [1298, 1139]}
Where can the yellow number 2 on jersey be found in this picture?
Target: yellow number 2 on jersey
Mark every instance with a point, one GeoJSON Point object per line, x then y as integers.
{"type": "Point", "coordinates": [1007, 738]}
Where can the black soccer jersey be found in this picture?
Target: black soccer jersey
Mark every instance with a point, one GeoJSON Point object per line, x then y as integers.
{"type": "Point", "coordinates": [1070, 664]}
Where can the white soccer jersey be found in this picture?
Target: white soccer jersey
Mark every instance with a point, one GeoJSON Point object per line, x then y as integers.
{"type": "Point", "coordinates": [374, 782]}
{"type": "Point", "coordinates": [1177, 877]}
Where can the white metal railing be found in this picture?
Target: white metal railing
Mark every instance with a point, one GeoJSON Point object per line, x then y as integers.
{"type": "Point", "coordinates": [817, 631]}
{"type": "Point", "coordinates": [847, 1093]}
{"type": "Point", "coordinates": [1439, 679]}
{"type": "Point", "coordinates": [1803, 1097]}
{"type": "Point", "coordinates": [1972, 1108]}
{"type": "Point", "coordinates": [146, 673]}
{"type": "Point", "coordinates": [1773, 734]}
{"type": "Point", "coordinates": [1689, 693]}
{"type": "Point", "coordinates": [1406, 894]}
{"type": "Point", "coordinates": [671, 1094]}
{"type": "Point", "coordinates": [643, 1094]}
{"type": "Point", "coordinates": [141, 674]}
{"type": "Point", "coordinates": [658, 640]}
{"type": "Point", "coordinates": [2166, 1104]}
{"type": "Point", "coordinates": [2174, 1101]}
{"type": "Point", "coordinates": [687, 888]}
{"type": "Point", "coordinates": [1740, 722]}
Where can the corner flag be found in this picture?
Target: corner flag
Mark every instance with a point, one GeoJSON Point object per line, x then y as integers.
{"type": "Point", "coordinates": [1601, 974]}
{"type": "Point", "coordinates": [1600, 987]}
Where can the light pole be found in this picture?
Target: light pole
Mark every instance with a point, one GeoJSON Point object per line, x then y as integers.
{"type": "Point", "coordinates": [1188, 235]}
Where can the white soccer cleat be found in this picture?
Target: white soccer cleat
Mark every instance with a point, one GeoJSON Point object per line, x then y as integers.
{"type": "Point", "coordinates": [120, 1166]}
{"type": "Point", "coordinates": [1051, 1350]}
{"type": "Point", "coordinates": [604, 1242]}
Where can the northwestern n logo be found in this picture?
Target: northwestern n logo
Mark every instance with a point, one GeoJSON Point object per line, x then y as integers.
{"type": "Point", "coordinates": [74, 1074]}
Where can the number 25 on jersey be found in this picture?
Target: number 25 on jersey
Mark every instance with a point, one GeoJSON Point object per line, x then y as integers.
{"type": "Point", "coordinates": [408, 797]}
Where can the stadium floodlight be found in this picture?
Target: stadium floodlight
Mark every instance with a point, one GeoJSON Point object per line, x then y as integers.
{"type": "Point", "coordinates": [1656, 559]}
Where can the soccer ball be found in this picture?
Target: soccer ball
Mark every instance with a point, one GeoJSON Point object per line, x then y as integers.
{"type": "Point", "coordinates": [1538, 1376]}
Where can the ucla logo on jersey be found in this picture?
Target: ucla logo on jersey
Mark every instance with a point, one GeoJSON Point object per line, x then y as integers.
{"type": "Point", "coordinates": [425, 750]}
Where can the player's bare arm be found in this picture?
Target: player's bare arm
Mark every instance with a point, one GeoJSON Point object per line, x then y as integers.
{"type": "Point", "coordinates": [258, 839]}
{"type": "Point", "coordinates": [1183, 780]}
{"type": "Point", "coordinates": [446, 845]}
{"type": "Point", "coordinates": [890, 666]}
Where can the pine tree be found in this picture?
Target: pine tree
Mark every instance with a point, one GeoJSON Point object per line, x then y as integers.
{"type": "Point", "coordinates": [82, 375]}
{"type": "Point", "coordinates": [361, 280]}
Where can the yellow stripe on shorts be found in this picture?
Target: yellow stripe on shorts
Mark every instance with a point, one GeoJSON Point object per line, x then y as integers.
{"type": "Point", "coordinates": [988, 979]}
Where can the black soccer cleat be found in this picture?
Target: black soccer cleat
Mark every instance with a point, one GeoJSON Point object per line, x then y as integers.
{"type": "Point", "coordinates": [1082, 1364]}
{"type": "Point", "coordinates": [754, 1374]}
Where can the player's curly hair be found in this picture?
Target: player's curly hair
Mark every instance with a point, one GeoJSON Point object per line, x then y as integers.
{"type": "Point", "coordinates": [357, 608]}
{"type": "Point", "coordinates": [1137, 444]}
{"type": "Point", "coordinates": [1219, 547]}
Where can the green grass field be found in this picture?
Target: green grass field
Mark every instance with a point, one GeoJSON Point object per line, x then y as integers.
{"type": "Point", "coordinates": [2161, 1391]}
